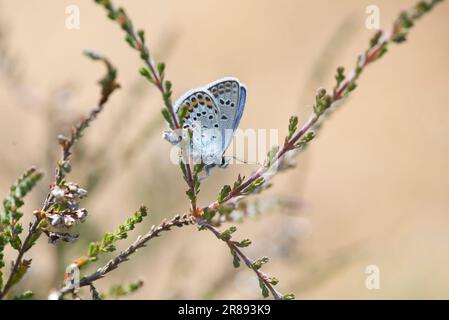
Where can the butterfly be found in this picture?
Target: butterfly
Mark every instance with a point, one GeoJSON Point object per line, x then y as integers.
{"type": "Point", "coordinates": [212, 114]}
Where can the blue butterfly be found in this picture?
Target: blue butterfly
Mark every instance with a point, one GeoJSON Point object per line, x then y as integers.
{"type": "Point", "coordinates": [213, 114]}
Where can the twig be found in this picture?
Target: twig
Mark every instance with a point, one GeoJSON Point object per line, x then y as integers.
{"type": "Point", "coordinates": [155, 74]}
{"type": "Point", "coordinates": [108, 86]}
{"type": "Point", "coordinates": [264, 278]}
{"type": "Point", "coordinates": [155, 231]}
{"type": "Point", "coordinates": [94, 291]}
{"type": "Point", "coordinates": [342, 90]}
{"type": "Point", "coordinates": [296, 140]}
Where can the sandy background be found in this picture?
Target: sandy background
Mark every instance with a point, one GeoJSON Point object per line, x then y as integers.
{"type": "Point", "coordinates": [373, 188]}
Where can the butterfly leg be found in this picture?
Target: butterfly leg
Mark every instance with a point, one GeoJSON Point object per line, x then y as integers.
{"type": "Point", "coordinates": [224, 162]}
{"type": "Point", "coordinates": [207, 170]}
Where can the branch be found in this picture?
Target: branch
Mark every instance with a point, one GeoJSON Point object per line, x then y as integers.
{"type": "Point", "coordinates": [10, 215]}
{"type": "Point", "coordinates": [155, 74]}
{"type": "Point", "coordinates": [266, 282]}
{"type": "Point", "coordinates": [95, 293]}
{"type": "Point", "coordinates": [279, 159]}
{"type": "Point", "coordinates": [108, 243]}
{"type": "Point", "coordinates": [155, 231]}
{"type": "Point", "coordinates": [108, 86]}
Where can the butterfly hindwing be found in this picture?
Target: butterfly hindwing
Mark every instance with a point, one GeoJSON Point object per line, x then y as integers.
{"type": "Point", "coordinates": [230, 98]}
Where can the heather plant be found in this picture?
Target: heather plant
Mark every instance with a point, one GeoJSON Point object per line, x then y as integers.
{"type": "Point", "coordinates": [62, 207]}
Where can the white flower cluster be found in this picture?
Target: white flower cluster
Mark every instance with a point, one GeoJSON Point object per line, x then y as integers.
{"type": "Point", "coordinates": [65, 212]}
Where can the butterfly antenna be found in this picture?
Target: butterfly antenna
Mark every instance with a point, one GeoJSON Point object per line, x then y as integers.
{"type": "Point", "coordinates": [242, 161]}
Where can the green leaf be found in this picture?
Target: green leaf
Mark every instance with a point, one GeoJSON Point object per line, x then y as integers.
{"type": "Point", "coordinates": [309, 136]}
{"type": "Point", "coordinates": [265, 292]}
{"type": "Point", "coordinates": [288, 296]}
{"type": "Point", "coordinates": [292, 126]}
{"type": "Point", "coordinates": [21, 270]}
{"type": "Point", "coordinates": [167, 94]}
{"type": "Point", "coordinates": [118, 291]}
{"type": "Point", "coordinates": [146, 73]}
{"type": "Point", "coordinates": [406, 20]}
{"type": "Point", "coordinates": [340, 76]}
{"type": "Point", "coordinates": [161, 69]}
{"type": "Point", "coordinates": [182, 112]}
{"type": "Point", "coordinates": [130, 41]}
{"type": "Point", "coordinates": [167, 117]}
{"type": "Point", "coordinates": [236, 259]}
{"type": "Point", "coordinates": [15, 241]}
{"type": "Point", "coordinates": [400, 37]}
{"type": "Point", "coordinates": [183, 169]}
{"type": "Point", "coordinates": [10, 227]}
{"type": "Point", "coordinates": [190, 194]}
{"type": "Point", "coordinates": [244, 243]}
{"type": "Point", "coordinates": [351, 87]}
{"type": "Point", "coordinates": [94, 249]}
{"type": "Point", "coordinates": [168, 86]}
{"type": "Point", "coordinates": [225, 191]}
{"type": "Point", "coordinates": [270, 155]}
{"type": "Point", "coordinates": [322, 101]}
{"type": "Point", "coordinates": [259, 263]}
{"type": "Point", "coordinates": [24, 296]}
{"type": "Point", "coordinates": [238, 182]}
{"type": "Point", "coordinates": [227, 234]}
{"type": "Point", "coordinates": [208, 214]}
{"type": "Point", "coordinates": [141, 35]}
{"type": "Point", "coordinates": [253, 186]}
{"type": "Point", "coordinates": [198, 168]}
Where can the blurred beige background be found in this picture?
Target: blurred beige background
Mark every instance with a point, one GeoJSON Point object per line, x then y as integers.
{"type": "Point", "coordinates": [373, 187]}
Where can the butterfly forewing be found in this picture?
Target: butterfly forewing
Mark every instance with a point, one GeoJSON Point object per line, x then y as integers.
{"type": "Point", "coordinates": [203, 119]}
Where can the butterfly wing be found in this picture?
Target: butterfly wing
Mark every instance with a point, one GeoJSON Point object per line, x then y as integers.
{"type": "Point", "coordinates": [230, 97]}
{"type": "Point", "coordinates": [203, 118]}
